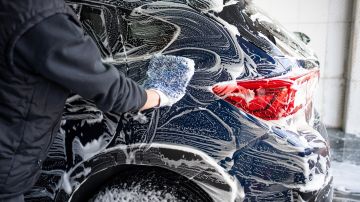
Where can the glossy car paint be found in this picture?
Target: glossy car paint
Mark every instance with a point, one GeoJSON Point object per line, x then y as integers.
{"type": "Point", "coordinates": [230, 154]}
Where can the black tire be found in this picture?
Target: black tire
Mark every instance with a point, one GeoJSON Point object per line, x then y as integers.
{"type": "Point", "coordinates": [139, 183]}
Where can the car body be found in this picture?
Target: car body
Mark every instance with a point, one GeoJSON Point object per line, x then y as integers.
{"type": "Point", "coordinates": [246, 129]}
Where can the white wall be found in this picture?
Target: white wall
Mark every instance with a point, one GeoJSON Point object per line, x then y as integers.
{"type": "Point", "coordinates": [328, 23]}
{"type": "Point", "coordinates": [352, 105]}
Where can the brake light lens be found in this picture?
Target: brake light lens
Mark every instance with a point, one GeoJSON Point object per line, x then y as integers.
{"type": "Point", "coordinates": [272, 98]}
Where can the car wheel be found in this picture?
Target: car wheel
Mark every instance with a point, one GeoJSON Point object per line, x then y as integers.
{"type": "Point", "coordinates": [140, 183]}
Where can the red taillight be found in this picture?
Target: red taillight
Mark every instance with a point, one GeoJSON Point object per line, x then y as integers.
{"type": "Point", "coordinates": [272, 98]}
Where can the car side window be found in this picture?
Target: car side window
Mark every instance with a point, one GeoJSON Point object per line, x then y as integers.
{"type": "Point", "coordinates": [104, 24]}
{"type": "Point", "coordinates": [98, 23]}
{"type": "Point", "coordinates": [123, 35]}
{"type": "Point", "coordinates": [148, 35]}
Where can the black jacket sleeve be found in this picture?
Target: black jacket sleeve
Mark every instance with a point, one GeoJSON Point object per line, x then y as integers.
{"type": "Point", "coordinates": [57, 49]}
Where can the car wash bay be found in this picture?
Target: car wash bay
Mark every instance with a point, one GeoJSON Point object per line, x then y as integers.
{"type": "Point", "coordinates": [334, 29]}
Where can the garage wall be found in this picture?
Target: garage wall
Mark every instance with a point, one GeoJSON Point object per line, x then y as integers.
{"type": "Point", "coordinates": [328, 23]}
{"type": "Point", "coordinates": [352, 105]}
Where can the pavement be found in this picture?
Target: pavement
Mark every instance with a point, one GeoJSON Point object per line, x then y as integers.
{"type": "Point", "coordinates": [345, 165]}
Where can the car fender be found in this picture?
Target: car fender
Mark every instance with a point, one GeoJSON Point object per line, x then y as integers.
{"type": "Point", "coordinates": [186, 161]}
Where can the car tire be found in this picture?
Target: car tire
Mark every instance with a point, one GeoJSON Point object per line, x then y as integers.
{"type": "Point", "coordinates": [139, 183]}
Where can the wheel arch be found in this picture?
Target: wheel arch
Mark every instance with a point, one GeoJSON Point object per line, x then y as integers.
{"type": "Point", "coordinates": [191, 163]}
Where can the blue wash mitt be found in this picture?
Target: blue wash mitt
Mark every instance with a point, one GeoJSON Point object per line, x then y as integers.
{"type": "Point", "coordinates": [170, 75]}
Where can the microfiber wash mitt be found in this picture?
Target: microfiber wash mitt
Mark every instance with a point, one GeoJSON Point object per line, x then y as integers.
{"type": "Point", "coordinates": [169, 77]}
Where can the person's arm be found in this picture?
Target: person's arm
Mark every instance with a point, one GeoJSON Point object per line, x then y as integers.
{"type": "Point", "coordinates": [58, 50]}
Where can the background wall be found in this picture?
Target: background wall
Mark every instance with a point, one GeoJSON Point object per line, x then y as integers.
{"type": "Point", "coordinates": [328, 23]}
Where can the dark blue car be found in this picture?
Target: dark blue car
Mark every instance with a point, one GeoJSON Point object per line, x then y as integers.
{"type": "Point", "coordinates": [246, 129]}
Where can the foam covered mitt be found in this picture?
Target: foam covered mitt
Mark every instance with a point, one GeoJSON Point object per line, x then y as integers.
{"type": "Point", "coordinates": [169, 77]}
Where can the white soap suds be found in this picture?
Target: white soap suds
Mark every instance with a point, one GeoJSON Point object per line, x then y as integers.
{"type": "Point", "coordinates": [66, 185]}
{"type": "Point", "coordinates": [238, 68]}
{"type": "Point", "coordinates": [141, 118]}
{"type": "Point", "coordinates": [90, 149]}
{"type": "Point", "coordinates": [134, 194]}
{"type": "Point", "coordinates": [206, 5]}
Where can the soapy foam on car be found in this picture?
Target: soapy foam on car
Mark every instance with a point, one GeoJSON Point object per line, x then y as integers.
{"type": "Point", "coordinates": [69, 182]}
{"type": "Point", "coordinates": [68, 186]}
